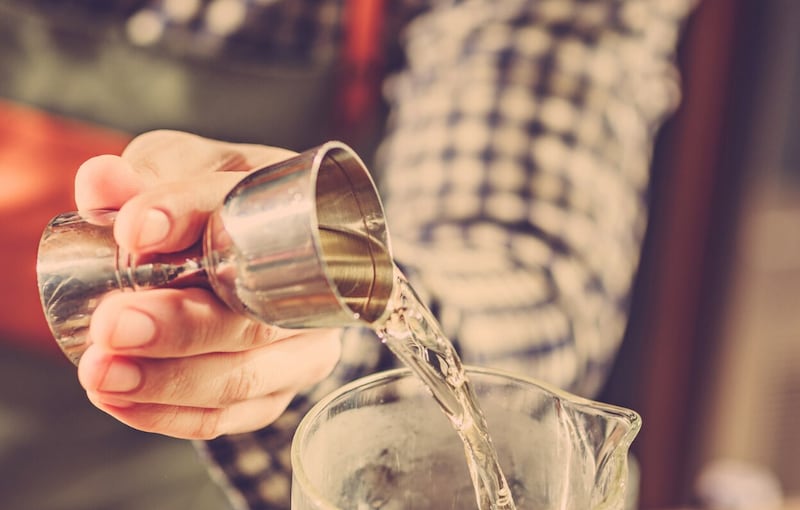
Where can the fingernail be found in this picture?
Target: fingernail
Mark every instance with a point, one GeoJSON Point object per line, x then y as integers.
{"type": "Point", "coordinates": [121, 376]}
{"type": "Point", "coordinates": [154, 228]}
{"type": "Point", "coordinates": [133, 329]}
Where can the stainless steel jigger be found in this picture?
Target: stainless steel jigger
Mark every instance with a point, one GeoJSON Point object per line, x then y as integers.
{"type": "Point", "coordinates": [301, 243]}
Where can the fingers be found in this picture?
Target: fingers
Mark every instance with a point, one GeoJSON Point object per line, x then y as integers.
{"type": "Point", "coordinates": [165, 184]}
{"type": "Point", "coordinates": [167, 155]}
{"type": "Point", "coordinates": [171, 217]}
{"type": "Point", "coordinates": [162, 323]}
{"type": "Point", "coordinates": [179, 362]}
{"type": "Point", "coordinates": [106, 182]}
{"type": "Point", "coordinates": [198, 423]}
{"type": "Point", "coordinates": [213, 380]}
{"type": "Point", "coordinates": [206, 395]}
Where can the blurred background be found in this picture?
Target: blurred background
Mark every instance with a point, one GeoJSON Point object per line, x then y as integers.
{"type": "Point", "coordinates": [712, 352]}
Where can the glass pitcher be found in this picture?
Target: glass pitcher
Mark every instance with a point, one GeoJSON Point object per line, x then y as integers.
{"type": "Point", "coordinates": [382, 442]}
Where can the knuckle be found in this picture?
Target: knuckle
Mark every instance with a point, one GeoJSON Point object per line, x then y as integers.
{"type": "Point", "coordinates": [208, 424]}
{"type": "Point", "coordinates": [256, 334]}
{"type": "Point", "coordinates": [180, 383]}
{"type": "Point", "coordinates": [181, 422]}
{"type": "Point", "coordinates": [145, 152]}
{"type": "Point", "coordinates": [237, 386]}
{"type": "Point", "coordinates": [159, 419]}
{"type": "Point", "coordinates": [148, 139]}
{"type": "Point", "coordinates": [229, 160]}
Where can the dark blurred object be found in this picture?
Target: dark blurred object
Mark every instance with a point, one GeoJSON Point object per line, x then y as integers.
{"type": "Point", "coordinates": [75, 59]}
{"type": "Point", "coordinates": [732, 135]}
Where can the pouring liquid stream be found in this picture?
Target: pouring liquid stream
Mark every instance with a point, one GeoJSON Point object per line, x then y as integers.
{"type": "Point", "coordinates": [412, 333]}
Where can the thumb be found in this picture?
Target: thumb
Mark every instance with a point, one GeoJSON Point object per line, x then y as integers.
{"type": "Point", "coordinates": [106, 182]}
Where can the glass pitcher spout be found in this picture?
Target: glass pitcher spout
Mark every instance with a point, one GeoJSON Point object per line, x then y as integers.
{"type": "Point", "coordinates": [602, 435]}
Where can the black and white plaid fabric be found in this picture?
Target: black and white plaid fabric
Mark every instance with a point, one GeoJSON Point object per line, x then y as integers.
{"type": "Point", "coordinates": [514, 174]}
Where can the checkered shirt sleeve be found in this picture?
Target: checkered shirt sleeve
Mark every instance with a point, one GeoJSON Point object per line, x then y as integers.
{"type": "Point", "coordinates": [514, 173]}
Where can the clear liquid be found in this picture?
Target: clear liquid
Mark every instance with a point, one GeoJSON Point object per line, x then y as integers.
{"type": "Point", "coordinates": [412, 333]}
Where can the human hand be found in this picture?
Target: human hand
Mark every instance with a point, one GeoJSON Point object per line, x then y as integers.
{"type": "Point", "coordinates": [178, 361]}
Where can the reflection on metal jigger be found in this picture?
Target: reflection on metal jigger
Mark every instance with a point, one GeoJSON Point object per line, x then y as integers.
{"type": "Point", "coordinates": [301, 243]}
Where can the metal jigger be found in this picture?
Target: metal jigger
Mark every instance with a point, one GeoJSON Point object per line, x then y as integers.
{"type": "Point", "coordinates": [301, 243]}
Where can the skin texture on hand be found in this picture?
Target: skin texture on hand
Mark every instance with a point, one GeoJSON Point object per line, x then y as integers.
{"type": "Point", "coordinates": [179, 362]}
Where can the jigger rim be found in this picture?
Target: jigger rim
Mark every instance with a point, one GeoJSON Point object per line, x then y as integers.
{"type": "Point", "coordinates": [321, 152]}
{"type": "Point", "coordinates": [369, 207]}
